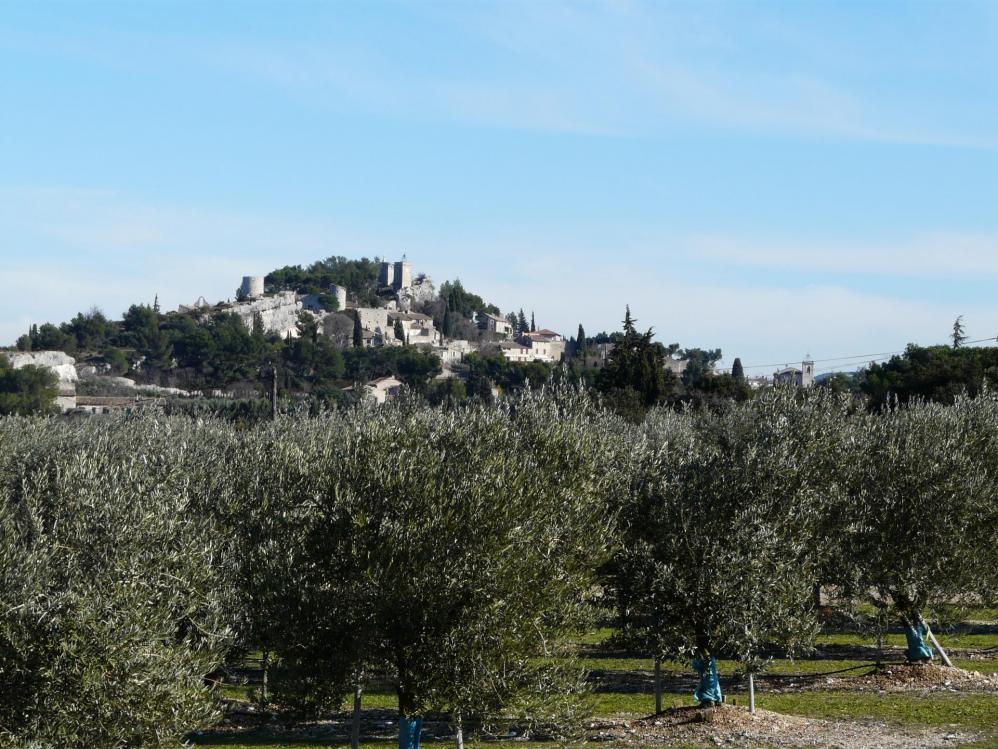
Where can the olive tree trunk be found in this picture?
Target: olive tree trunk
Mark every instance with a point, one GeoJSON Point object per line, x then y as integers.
{"type": "Point", "coordinates": [358, 692]}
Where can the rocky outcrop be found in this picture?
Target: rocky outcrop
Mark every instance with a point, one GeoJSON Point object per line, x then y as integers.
{"type": "Point", "coordinates": [62, 364]}
{"type": "Point", "coordinates": [278, 313]}
{"type": "Point", "coordinates": [420, 292]}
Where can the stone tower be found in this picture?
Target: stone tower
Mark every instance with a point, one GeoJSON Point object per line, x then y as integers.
{"type": "Point", "coordinates": [340, 292]}
{"type": "Point", "coordinates": [396, 276]}
{"type": "Point", "coordinates": [387, 276]}
{"type": "Point", "coordinates": [252, 287]}
{"type": "Point", "coordinates": [403, 274]}
{"type": "Point", "coordinates": [807, 372]}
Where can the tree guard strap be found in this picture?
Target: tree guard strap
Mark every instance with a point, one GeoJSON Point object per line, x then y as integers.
{"type": "Point", "coordinates": [918, 649]}
{"type": "Point", "coordinates": [708, 688]}
{"type": "Point", "coordinates": [409, 729]}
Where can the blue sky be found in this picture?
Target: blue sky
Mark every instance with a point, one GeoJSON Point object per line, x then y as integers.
{"type": "Point", "coordinates": [767, 178]}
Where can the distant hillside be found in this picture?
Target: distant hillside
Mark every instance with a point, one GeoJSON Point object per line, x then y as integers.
{"type": "Point", "coordinates": [207, 347]}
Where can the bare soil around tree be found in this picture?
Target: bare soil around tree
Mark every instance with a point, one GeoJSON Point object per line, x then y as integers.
{"type": "Point", "coordinates": [732, 726]}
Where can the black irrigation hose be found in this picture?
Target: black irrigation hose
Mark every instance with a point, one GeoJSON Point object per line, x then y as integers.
{"type": "Point", "coordinates": [827, 673]}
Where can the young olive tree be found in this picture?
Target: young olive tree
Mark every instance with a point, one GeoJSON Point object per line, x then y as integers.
{"type": "Point", "coordinates": [466, 541]}
{"type": "Point", "coordinates": [921, 517]}
{"type": "Point", "coordinates": [111, 599]}
{"type": "Point", "coordinates": [720, 540]}
{"type": "Point", "coordinates": [302, 593]}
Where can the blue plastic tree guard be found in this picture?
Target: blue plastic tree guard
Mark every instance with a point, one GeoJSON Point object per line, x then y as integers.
{"type": "Point", "coordinates": [918, 648]}
{"type": "Point", "coordinates": [709, 688]}
{"type": "Point", "coordinates": [409, 729]}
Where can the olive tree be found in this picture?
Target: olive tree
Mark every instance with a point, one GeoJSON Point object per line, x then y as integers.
{"type": "Point", "coordinates": [720, 543]}
{"type": "Point", "coordinates": [111, 596]}
{"type": "Point", "coordinates": [464, 541]}
{"type": "Point", "coordinates": [920, 521]}
{"type": "Point", "coordinates": [301, 593]}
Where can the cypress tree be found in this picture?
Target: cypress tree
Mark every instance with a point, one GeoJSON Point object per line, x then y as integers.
{"type": "Point", "coordinates": [358, 333]}
{"type": "Point", "coordinates": [581, 345]}
{"type": "Point", "coordinates": [737, 371]}
{"type": "Point", "coordinates": [533, 323]}
{"type": "Point", "coordinates": [447, 326]}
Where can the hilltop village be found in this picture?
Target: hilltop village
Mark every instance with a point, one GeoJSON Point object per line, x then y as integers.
{"type": "Point", "coordinates": [347, 329]}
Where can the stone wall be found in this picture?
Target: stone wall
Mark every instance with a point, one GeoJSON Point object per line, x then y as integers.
{"type": "Point", "coordinates": [279, 313]}
{"type": "Point", "coordinates": [373, 318]}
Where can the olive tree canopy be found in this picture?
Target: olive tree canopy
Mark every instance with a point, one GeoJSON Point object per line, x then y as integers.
{"type": "Point", "coordinates": [720, 540]}
{"type": "Point", "coordinates": [112, 597]}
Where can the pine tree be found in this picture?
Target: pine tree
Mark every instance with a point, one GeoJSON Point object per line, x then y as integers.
{"type": "Point", "coordinates": [358, 333]}
{"type": "Point", "coordinates": [636, 364]}
{"type": "Point", "coordinates": [737, 371]}
{"type": "Point", "coordinates": [628, 321]}
{"type": "Point", "coordinates": [959, 336]}
{"type": "Point", "coordinates": [521, 323]}
{"type": "Point", "coordinates": [155, 304]}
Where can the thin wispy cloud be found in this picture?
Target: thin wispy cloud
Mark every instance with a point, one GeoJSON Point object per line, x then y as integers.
{"type": "Point", "coordinates": [759, 177]}
{"type": "Point", "coordinates": [114, 250]}
{"type": "Point", "coordinates": [933, 256]}
{"type": "Point", "coordinates": [624, 69]}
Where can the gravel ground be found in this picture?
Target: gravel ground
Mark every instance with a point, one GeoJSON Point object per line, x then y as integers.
{"type": "Point", "coordinates": [736, 727]}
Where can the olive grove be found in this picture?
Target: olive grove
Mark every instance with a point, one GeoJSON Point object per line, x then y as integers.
{"type": "Point", "coordinates": [454, 552]}
{"type": "Point", "coordinates": [113, 597]}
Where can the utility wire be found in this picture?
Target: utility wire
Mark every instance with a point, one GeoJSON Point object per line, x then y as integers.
{"type": "Point", "coordinates": [872, 357]}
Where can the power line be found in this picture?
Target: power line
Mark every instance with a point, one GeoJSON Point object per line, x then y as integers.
{"type": "Point", "coordinates": [871, 357]}
{"type": "Point", "coordinates": [821, 361]}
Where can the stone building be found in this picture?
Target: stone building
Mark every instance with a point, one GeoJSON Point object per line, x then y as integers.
{"type": "Point", "coordinates": [374, 319]}
{"type": "Point", "coordinates": [598, 355]}
{"type": "Point", "coordinates": [515, 351]}
{"type": "Point", "coordinates": [381, 390]}
{"type": "Point", "coordinates": [494, 324]}
{"type": "Point", "coordinates": [676, 366]}
{"type": "Point", "coordinates": [417, 328]}
{"type": "Point", "coordinates": [802, 378]}
{"type": "Point", "coordinates": [545, 345]}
